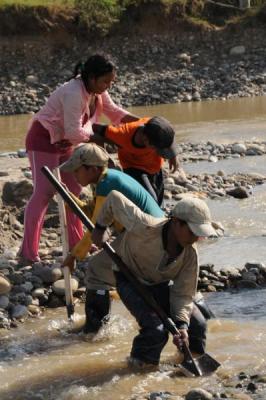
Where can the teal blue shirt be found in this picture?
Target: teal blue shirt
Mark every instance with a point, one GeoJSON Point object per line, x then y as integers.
{"type": "Point", "coordinates": [129, 187]}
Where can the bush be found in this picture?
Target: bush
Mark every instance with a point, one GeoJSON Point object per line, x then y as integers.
{"type": "Point", "coordinates": [98, 15]}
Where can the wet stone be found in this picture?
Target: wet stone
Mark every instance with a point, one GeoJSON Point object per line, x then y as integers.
{"type": "Point", "coordinates": [261, 379]}
{"type": "Point", "coordinates": [242, 375]}
{"type": "Point", "coordinates": [252, 387]}
{"type": "Point", "coordinates": [238, 193]}
{"type": "Point", "coordinates": [59, 286]}
{"type": "Point", "coordinates": [247, 284]}
{"type": "Point", "coordinates": [5, 285]}
{"type": "Point", "coordinates": [19, 311]}
{"type": "Point", "coordinates": [160, 396]}
{"type": "Point", "coordinates": [4, 302]}
{"type": "Point", "coordinates": [198, 394]}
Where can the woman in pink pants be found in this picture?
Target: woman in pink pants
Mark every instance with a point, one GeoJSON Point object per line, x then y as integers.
{"type": "Point", "coordinates": [62, 123]}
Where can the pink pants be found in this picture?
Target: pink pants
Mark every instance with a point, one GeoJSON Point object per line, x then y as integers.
{"type": "Point", "coordinates": [38, 203]}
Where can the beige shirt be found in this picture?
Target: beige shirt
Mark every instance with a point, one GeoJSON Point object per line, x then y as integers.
{"type": "Point", "coordinates": [143, 252]}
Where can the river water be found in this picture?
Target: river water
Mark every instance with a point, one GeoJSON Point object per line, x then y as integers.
{"type": "Point", "coordinates": [42, 359]}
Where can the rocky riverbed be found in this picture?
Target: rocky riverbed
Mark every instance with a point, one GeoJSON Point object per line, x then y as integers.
{"type": "Point", "coordinates": [161, 68]}
{"type": "Point", "coordinates": [25, 290]}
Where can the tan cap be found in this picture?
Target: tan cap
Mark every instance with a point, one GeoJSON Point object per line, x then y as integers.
{"type": "Point", "coordinates": [87, 154]}
{"type": "Point", "coordinates": [196, 214]}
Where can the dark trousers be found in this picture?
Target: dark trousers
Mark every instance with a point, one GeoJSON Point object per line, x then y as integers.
{"type": "Point", "coordinates": [149, 343]}
{"type": "Point", "coordinates": [153, 183]}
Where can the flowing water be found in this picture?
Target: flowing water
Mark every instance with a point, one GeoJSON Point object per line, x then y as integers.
{"type": "Point", "coordinates": [41, 359]}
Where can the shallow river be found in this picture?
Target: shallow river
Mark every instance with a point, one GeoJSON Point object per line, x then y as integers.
{"type": "Point", "coordinates": [42, 360]}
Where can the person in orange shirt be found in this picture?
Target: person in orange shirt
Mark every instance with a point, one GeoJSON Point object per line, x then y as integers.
{"type": "Point", "coordinates": [142, 146]}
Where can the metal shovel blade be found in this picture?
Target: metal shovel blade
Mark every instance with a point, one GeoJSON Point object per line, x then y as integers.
{"type": "Point", "coordinates": [202, 366]}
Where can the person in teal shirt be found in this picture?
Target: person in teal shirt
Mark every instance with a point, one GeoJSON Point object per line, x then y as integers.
{"type": "Point", "coordinates": [89, 164]}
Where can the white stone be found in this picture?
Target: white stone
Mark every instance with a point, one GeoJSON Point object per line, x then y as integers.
{"type": "Point", "coordinates": [10, 253]}
{"type": "Point", "coordinates": [59, 286]}
{"type": "Point", "coordinates": [239, 148]}
{"type": "Point", "coordinates": [32, 79]}
{"type": "Point", "coordinates": [237, 50]}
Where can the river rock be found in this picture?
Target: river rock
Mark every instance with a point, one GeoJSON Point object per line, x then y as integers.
{"type": "Point", "coordinates": [255, 149]}
{"type": "Point", "coordinates": [161, 396]}
{"type": "Point", "coordinates": [38, 293]}
{"type": "Point", "coordinates": [4, 320]}
{"type": "Point", "coordinates": [241, 396]}
{"type": "Point", "coordinates": [33, 309]}
{"type": "Point", "coordinates": [238, 192]}
{"type": "Point", "coordinates": [19, 311]}
{"type": "Point", "coordinates": [237, 50]}
{"type": "Point", "coordinates": [249, 275]}
{"type": "Point", "coordinates": [4, 302]}
{"type": "Point", "coordinates": [261, 378]}
{"type": "Point", "coordinates": [59, 286]}
{"type": "Point", "coordinates": [48, 274]}
{"type": "Point", "coordinates": [27, 286]}
{"type": "Point", "coordinates": [239, 148]}
{"type": "Point", "coordinates": [4, 262]}
{"type": "Point", "coordinates": [22, 153]}
{"type": "Point", "coordinates": [198, 394]}
{"type": "Point", "coordinates": [32, 79]}
{"type": "Point", "coordinates": [10, 253]}
{"type": "Point", "coordinates": [247, 284]}
{"type": "Point", "coordinates": [5, 285]}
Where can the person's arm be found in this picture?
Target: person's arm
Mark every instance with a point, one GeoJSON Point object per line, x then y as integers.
{"type": "Point", "coordinates": [184, 289]}
{"type": "Point", "coordinates": [81, 249]}
{"type": "Point", "coordinates": [73, 105]}
{"type": "Point", "coordinates": [174, 164]}
{"type": "Point", "coordinates": [129, 118]}
{"type": "Point", "coordinates": [115, 113]}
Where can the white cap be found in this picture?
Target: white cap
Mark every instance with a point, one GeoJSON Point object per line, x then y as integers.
{"type": "Point", "coordinates": [196, 214]}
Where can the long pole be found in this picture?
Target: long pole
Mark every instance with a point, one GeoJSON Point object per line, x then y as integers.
{"type": "Point", "coordinates": [65, 246]}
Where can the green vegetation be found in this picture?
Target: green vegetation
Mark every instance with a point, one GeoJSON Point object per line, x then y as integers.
{"type": "Point", "coordinates": [101, 16]}
{"type": "Point", "coordinates": [34, 3]}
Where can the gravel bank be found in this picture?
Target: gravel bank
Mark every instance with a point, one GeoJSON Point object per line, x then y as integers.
{"type": "Point", "coordinates": [178, 67]}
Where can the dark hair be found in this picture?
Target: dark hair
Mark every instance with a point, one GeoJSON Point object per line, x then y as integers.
{"type": "Point", "coordinates": [95, 67]}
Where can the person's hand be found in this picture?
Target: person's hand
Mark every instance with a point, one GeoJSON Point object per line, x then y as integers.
{"type": "Point", "coordinates": [69, 262]}
{"type": "Point", "coordinates": [99, 236]}
{"type": "Point", "coordinates": [174, 164]}
{"type": "Point", "coordinates": [93, 248]}
{"type": "Point", "coordinates": [179, 340]}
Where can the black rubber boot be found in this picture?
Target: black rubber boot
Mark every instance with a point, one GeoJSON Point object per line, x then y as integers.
{"type": "Point", "coordinates": [97, 308]}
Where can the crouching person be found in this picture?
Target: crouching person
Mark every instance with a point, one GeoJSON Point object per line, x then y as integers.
{"type": "Point", "coordinates": [162, 254]}
{"type": "Point", "coordinates": [89, 165]}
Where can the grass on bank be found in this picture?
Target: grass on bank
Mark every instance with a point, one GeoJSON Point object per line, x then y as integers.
{"type": "Point", "coordinates": [34, 3]}
{"type": "Point", "coordinates": [102, 15]}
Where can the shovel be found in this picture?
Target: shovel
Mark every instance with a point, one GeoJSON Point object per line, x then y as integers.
{"type": "Point", "coordinates": [66, 271]}
{"type": "Point", "coordinates": [203, 365]}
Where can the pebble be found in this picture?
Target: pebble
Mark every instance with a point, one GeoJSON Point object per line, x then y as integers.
{"type": "Point", "coordinates": [5, 285]}
{"type": "Point", "coordinates": [198, 394]}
